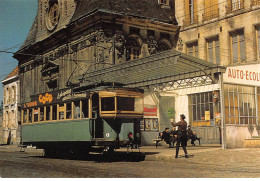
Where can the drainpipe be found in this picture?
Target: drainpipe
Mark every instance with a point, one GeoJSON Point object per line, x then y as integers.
{"type": "Point", "coordinates": [223, 116]}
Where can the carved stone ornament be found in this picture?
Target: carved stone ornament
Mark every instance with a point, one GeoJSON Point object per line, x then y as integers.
{"type": "Point", "coordinates": [152, 45]}
{"type": "Point", "coordinates": [53, 14]}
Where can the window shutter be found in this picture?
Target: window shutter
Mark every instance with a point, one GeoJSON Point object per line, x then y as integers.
{"type": "Point", "coordinates": [195, 10]}
{"type": "Point", "coordinates": [14, 93]}
{"type": "Point", "coordinates": [4, 96]}
{"type": "Point", "coordinates": [187, 12]}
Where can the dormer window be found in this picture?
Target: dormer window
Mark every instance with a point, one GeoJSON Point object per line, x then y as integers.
{"type": "Point", "coordinates": [163, 2]}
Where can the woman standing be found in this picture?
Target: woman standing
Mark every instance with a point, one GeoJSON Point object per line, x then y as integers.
{"type": "Point", "coordinates": [182, 135]}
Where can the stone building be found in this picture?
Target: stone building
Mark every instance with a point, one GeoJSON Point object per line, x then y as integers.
{"type": "Point", "coordinates": [78, 43]}
{"type": "Point", "coordinates": [11, 114]}
{"type": "Point", "coordinates": [225, 32]}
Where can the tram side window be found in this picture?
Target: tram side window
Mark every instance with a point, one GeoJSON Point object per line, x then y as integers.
{"type": "Point", "coordinates": [61, 111]}
{"type": "Point", "coordinates": [25, 116]}
{"type": "Point", "coordinates": [85, 108]}
{"type": "Point", "coordinates": [30, 115]}
{"type": "Point", "coordinates": [77, 110]}
{"type": "Point", "coordinates": [68, 111]}
{"type": "Point", "coordinates": [125, 104]}
{"type": "Point", "coordinates": [108, 104]}
{"type": "Point", "coordinates": [48, 113]}
{"type": "Point", "coordinates": [54, 112]}
{"type": "Point", "coordinates": [41, 113]}
{"type": "Point", "coordinates": [36, 114]}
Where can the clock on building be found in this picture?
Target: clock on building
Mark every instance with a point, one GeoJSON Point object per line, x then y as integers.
{"type": "Point", "coordinates": [53, 15]}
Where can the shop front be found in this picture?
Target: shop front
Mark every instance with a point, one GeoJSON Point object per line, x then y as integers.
{"type": "Point", "coordinates": [242, 103]}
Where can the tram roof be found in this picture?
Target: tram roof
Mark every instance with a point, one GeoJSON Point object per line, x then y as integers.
{"type": "Point", "coordinates": [163, 67]}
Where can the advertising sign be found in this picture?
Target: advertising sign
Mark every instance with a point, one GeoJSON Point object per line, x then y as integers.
{"type": "Point", "coordinates": [244, 74]}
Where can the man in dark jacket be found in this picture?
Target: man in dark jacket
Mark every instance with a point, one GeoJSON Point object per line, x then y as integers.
{"type": "Point", "coordinates": [182, 137]}
{"type": "Point", "coordinates": [166, 136]}
{"type": "Point", "coordinates": [192, 136]}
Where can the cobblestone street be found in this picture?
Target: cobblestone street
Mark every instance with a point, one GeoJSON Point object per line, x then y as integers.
{"type": "Point", "coordinates": [202, 163]}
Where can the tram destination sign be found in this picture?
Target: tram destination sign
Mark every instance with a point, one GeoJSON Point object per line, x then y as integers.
{"type": "Point", "coordinates": [54, 97]}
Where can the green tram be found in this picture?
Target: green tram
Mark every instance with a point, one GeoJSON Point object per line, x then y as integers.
{"type": "Point", "coordinates": [74, 121]}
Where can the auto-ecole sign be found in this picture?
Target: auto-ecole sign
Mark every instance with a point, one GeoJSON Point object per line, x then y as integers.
{"type": "Point", "coordinates": [244, 74]}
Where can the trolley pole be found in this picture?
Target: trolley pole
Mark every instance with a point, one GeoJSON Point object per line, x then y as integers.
{"type": "Point", "coordinates": [223, 116]}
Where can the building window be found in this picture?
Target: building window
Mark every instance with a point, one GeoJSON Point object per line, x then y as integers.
{"type": "Point", "coordinates": [164, 2]}
{"type": "Point", "coordinates": [133, 48]}
{"type": "Point", "coordinates": [201, 109]}
{"type": "Point", "coordinates": [234, 5]}
{"type": "Point", "coordinates": [190, 12]}
{"type": "Point", "coordinates": [240, 104]}
{"type": "Point", "coordinates": [211, 10]}
{"type": "Point", "coordinates": [237, 40]}
{"type": "Point", "coordinates": [192, 49]}
{"type": "Point", "coordinates": [258, 41]}
{"type": "Point", "coordinates": [163, 46]}
{"type": "Point", "coordinates": [213, 53]}
{"type": "Point", "coordinates": [52, 15]}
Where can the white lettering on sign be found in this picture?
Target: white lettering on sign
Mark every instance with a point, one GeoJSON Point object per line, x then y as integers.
{"type": "Point", "coordinates": [247, 74]}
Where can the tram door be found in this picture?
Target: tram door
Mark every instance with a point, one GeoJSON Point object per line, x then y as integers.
{"type": "Point", "coordinates": [98, 122]}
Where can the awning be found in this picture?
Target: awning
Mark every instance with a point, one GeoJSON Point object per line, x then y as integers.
{"type": "Point", "coordinates": [169, 67]}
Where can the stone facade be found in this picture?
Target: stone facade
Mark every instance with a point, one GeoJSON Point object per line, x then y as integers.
{"type": "Point", "coordinates": [69, 39]}
{"type": "Point", "coordinates": [225, 32]}
{"type": "Point", "coordinates": [10, 125]}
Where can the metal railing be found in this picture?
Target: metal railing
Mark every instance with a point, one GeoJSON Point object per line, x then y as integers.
{"type": "Point", "coordinates": [235, 7]}
{"type": "Point", "coordinates": [255, 2]}
{"type": "Point", "coordinates": [210, 15]}
{"type": "Point", "coordinates": [190, 21]}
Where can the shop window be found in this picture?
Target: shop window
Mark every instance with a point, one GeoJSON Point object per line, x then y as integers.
{"type": "Point", "coordinates": [68, 111]}
{"type": "Point", "coordinates": [41, 113]}
{"type": "Point", "coordinates": [77, 110]}
{"type": "Point", "coordinates": [192, 49]}
{"type": "Point", "coordinates": [48, 113]}
{"type": "Point", "coordinates": [258, 41]}
{"type": "Point", "coordinates": [149, 124]}
{"type": "Point", "coordinates": [54, 112]}
{"type": "Point", "coordinates": [108, 104]}
{"type": "Point", "coordinates": [213, 53]}
{"type": "Point", "coordinates": [30, 115]}
{"type": "Point", "coordinates": [35, 114]}
{"type": "Point", "coordinates": [85, 108]}
{"type": "Point", "coordinates": [237, 47]}
{"type": "Point", "coordinates": [61, 111]}
{"type": "Point", "coordinates": [125, 104]}
{"type": "Point", "coordinates": [201, 109]}
{"type": "Point", "coordinates": [240, 104]}
{"type": "Point", "coordinates": [133, 48]}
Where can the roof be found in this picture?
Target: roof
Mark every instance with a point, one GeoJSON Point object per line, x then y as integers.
{"type": "Point", "coordinates": [164, 67]}
{"type": "Point", "coordinates": [147, 9]}
{"type": "Point", "coordinates": [14, 72]}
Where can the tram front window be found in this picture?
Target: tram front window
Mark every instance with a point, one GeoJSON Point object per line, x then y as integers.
{"type": "Point", "coordinates": [85, 108]}
{"type": "Point", "coordinates": [108, 104]}
{"type": "Point", "coordinates": [76, 110]}
{"type": "Point", "coordinates": [54, 112]}
{"type": "Point", "coordinates": [36, 114]}
{"type": "Point", "coordinates": [42, 114]}
{"type": "Point", "coordinates": [30, 115]}
{"type": "Point", "coordinates": [68, 111]}
{"type": "Point", "coordinates": [125, 104]}
{"type": "Point", "coordinates": [25, 116]}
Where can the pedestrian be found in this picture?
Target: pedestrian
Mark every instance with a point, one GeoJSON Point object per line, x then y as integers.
{"type": "Point", "coordinates": [173, 134]}
{"type": "Point", "coordinates": [182, 135]}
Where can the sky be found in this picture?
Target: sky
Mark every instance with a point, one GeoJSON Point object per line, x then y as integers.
{"type": "Point", "coordinates": [16, 18]}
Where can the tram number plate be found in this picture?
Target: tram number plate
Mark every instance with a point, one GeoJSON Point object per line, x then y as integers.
{"type": "Point", "coordinates": [107, 134]}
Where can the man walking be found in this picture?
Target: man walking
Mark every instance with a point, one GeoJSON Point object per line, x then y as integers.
{"type": "Point", "coordinates": [182, 135]}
